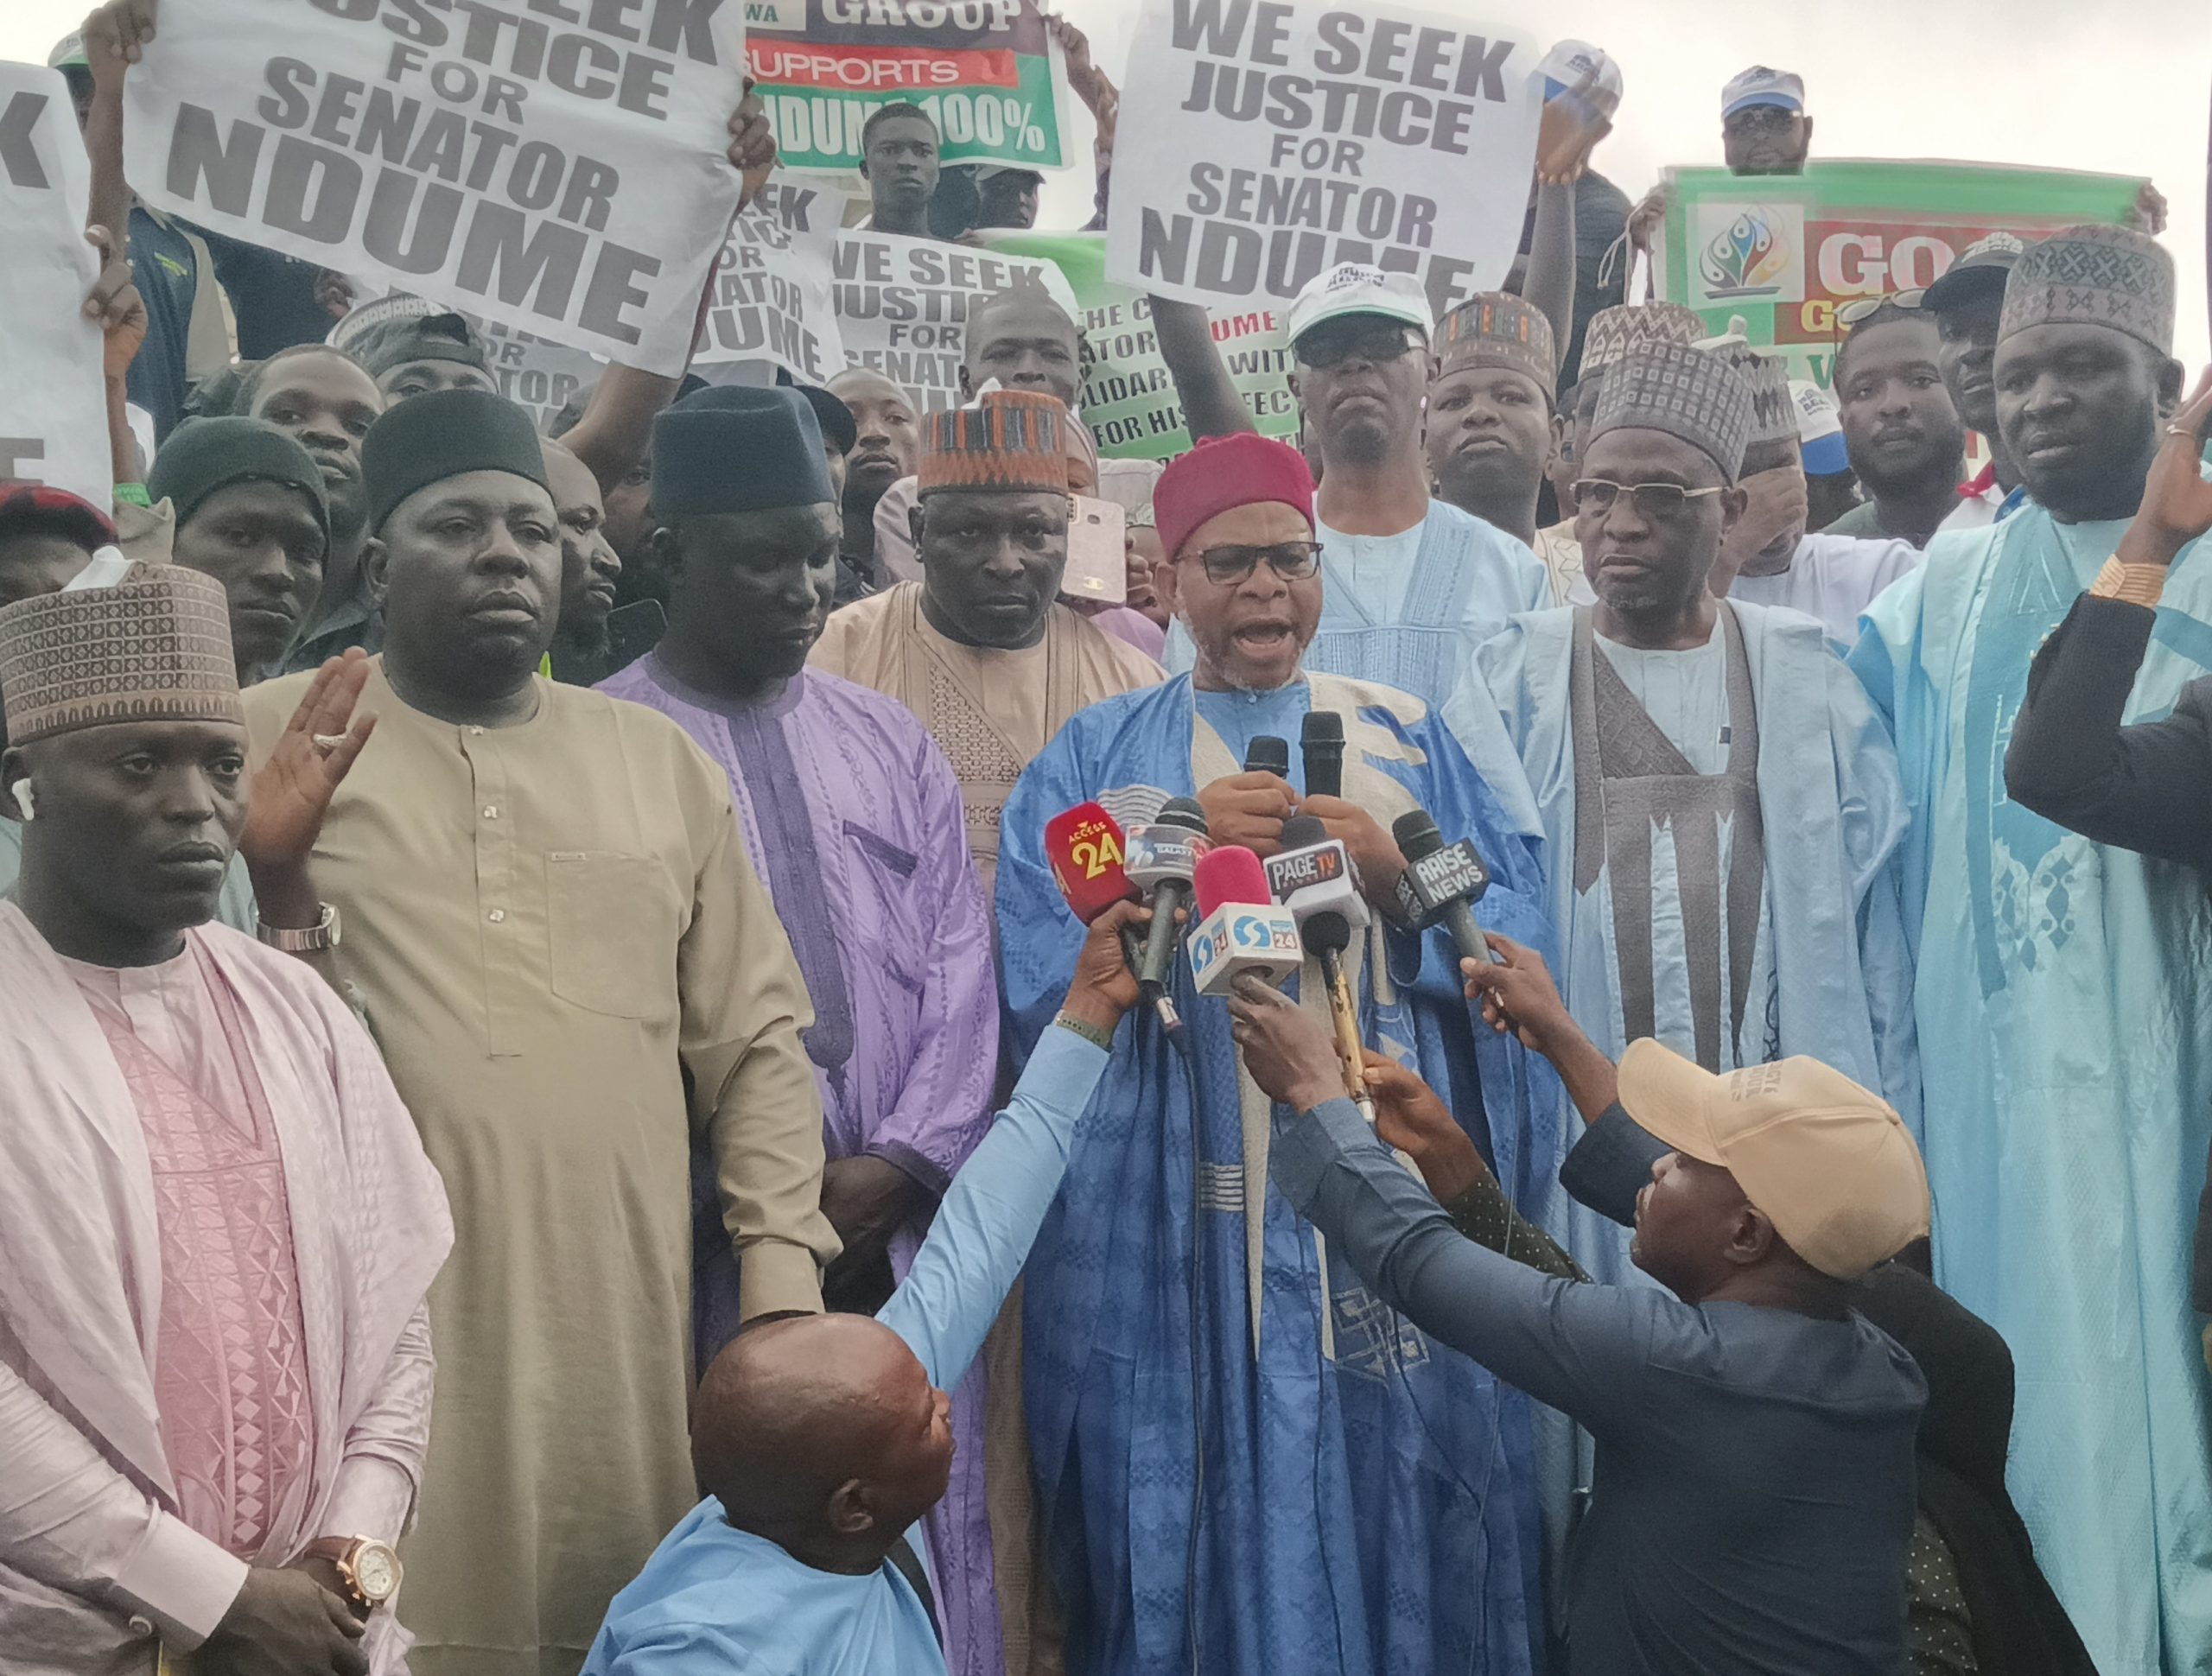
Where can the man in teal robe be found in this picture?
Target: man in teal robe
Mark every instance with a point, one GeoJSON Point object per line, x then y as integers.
{"type": "Point", "coordinates": [2065, 994]}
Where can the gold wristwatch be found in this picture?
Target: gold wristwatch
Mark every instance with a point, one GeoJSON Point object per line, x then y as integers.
{"type": "Point", "coordinates": [368, 1569]}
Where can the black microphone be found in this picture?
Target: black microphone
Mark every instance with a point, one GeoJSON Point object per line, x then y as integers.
{"type": "Point", "coordinates": [1267, 754]}
{"type": "Point", "coordinates": [1326, 934]}
{"type": "Point", "coordinates": [1321, 741]}
{"type": "Point", "coordinates": [1171, 846]}
{"type": "Point", "coordinates": [1441, 883]}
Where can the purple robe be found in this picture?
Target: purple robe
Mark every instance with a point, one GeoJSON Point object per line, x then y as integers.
{"type": "Point", "coordinates": [853, 821]}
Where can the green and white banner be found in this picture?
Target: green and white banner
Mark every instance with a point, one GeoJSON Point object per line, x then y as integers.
{"type": "Point", "coordinates": [1785, 251]}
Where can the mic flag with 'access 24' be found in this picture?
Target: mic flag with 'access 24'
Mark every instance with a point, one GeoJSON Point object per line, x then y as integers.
{"type": "Point", "coordinates": [1241, 928]}
{"type": "Point", "coordinates": [1162, 859]}
{"type": "Point", "coordinates": [1441, 883]}
{"type": "Point", "coordinates": [1086, 850]}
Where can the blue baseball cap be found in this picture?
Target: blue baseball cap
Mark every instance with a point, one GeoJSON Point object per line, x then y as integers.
{"type": "Point", "coordinates": [1760, 86]}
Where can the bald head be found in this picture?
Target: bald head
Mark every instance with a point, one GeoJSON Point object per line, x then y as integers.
{"type": "Point", "coordinates": [823, 1434]}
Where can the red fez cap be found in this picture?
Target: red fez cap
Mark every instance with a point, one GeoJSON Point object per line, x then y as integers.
{"type": "Point", "coordinates": [1223, 472]}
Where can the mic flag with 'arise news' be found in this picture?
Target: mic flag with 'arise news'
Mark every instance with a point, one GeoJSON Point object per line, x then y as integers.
{"type": "Point", "coordinates": [1240, 929]}
{"type": "Point", "coordinates": [1441, 883]}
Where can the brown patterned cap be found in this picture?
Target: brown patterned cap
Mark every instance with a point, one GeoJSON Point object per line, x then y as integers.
{"type": "Point", "coordinates": [1614, 333]}
{"type": "Point", "coordinates": [1010, 440]}
{"type": "Point", "coordinates": [1688, 393]}
{"type": "Point", "coordinates": [156, 647]}
{"type": "Point", "coordinates": [2109, 276]}
{"type": "Point", "coordinates": [1496, 328]}
{"type": "Point", "coordinates": [1774, 409]}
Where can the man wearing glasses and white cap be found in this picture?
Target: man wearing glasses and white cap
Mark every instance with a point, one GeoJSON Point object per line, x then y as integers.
{"type": "Point", "coordinates": [1764, 127]}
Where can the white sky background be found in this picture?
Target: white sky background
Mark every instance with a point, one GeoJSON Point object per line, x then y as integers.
{"type": "Point", "coordinates": [2114, 84]}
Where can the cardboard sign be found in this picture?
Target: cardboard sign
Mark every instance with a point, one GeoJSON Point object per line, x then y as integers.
{"type": "Point", "coordinates": [1267, 141]}
{"type": "Point", "coordinates": [559, 170]}
{"type": "Point", "coordinates": [771, 301]}
{"type": "Point", "coordinates": [902, 305]}
{"type": "Point", "coordinates": [55, 430]}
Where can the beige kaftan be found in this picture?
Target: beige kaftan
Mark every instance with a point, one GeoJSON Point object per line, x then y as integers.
{"type": "Point", "coordinates": [551, 924]}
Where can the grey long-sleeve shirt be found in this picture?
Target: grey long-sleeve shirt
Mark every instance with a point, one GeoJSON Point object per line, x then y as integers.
{"type": "Point", "coordinates": [1753, 1496]}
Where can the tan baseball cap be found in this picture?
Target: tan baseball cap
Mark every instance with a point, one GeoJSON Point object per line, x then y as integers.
{"type": "Point", "coordinates": [1830, 1164]}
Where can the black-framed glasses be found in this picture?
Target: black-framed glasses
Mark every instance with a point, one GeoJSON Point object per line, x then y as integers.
{"type": "Point", "coordinates": [1367, 340]}
{"type": "Point", "coordinates": [1864, 308]}
{"type": "Point", "coordinates": [1652, 501]}
{"type": "Point", "coordinates": [1293, 560]}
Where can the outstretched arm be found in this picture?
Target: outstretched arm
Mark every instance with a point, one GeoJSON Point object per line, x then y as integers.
{"type": "Point", "coordinates": [1211, 406]}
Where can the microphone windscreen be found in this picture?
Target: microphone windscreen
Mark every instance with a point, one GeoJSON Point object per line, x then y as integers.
{"type": "Point", "coordinates": [1326, 933]}
{"type": "Point", "coordinates": [1415, 834]}
{"type": "Point", "coordinates": [1267, 754]}
{"type": "Point", "coordinates": [1230, 873]}
{"type": "Point", "coordinates": [1184, 812]}
{"type": "Point", "coordinates": [1299, 830]}
{"type": "Point", "coordinates": [1085, 847]}
{"type": "Point", "coordinates": [1321, 727]}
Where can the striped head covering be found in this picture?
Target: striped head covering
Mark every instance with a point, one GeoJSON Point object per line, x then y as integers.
{"type": "Point", "coordinates": [1496, 328]}
{"type": "Point", "coordinates": [1614, 333]}
{"type": "Point", "coordinates": [1774, 409]}
{"type": "Point", "coordinates": [1688, 393]}
{"type": "Point", "coordinates": [1011, 440]}
{"type": "Point", "coordinates": [155, 647]}
{"type": "Point", "coordinates": [2108, 276]}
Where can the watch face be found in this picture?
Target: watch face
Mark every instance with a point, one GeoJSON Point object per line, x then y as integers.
{"type": "Point", "coordinates": [376, 1572]}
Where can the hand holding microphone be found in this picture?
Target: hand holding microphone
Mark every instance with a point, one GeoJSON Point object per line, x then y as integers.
{"type": "Point", "coordinates": [1288, 1052]}
{"type": "Point", "coordinates": [1104, 986]}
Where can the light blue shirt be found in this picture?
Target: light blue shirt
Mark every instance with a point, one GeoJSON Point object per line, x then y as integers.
{"type": "Point", "coordinates": [716, 1601]}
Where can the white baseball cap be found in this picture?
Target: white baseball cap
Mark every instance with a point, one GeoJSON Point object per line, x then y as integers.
{"type": "Point", "coordinates": [1760, 86]}
{"type": "Point", "coordinates": [1569, 61]}
{"type": "Point", "coordinates": [1354, 288]}
{"type": "Point", "coordinates": [1820, 428]}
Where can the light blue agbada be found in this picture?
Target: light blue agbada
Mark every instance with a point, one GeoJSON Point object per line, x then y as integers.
{"type": "Point", "coordinates": [1368, 1496]}
{"type": "Point", "coordinates": [1413, 629]}
{"type": "Point", "coordinates": [2065, 1012]}
{"type": "Point", "coordinates": [1823, 969]}
{"type": "Point", "coordinates": [716, 1601]}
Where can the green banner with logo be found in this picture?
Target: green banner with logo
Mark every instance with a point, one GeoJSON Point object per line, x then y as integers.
{"type": "Point", "coordinates": [1784, 252]}
{"type": "Point", "coordinates": [1129, 401]}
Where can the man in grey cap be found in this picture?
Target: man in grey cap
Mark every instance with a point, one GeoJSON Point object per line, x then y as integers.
{"type": "Point", "coordinates": [2064, 997]}
{"type": "Point", "coordinates": [1966, 303]}
{"type": "Point", "coordinates": [1766, 924]}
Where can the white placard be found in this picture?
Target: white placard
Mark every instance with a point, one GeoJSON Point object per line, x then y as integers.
{"type": "Point", "coordinates": [771, 299]}
{"type": "Point", "coordinates": [54, 428]}
{"type": "Point", "coordinates": [902, 305]}
{"type": "Point", "coordinates": [556, 165]}
{"type": "Point", "coordinates": [1267, 142]}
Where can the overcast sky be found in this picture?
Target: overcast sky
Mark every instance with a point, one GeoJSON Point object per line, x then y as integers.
{"type": "Point", "coordinates": [2120, 86]}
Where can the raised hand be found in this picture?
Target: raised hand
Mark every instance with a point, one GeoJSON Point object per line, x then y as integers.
{"type": "Point", "coordinates": [2177, 501]}
{"type": "Point", "coordinates": [291, 793]}
{"type": "Point", "coordinates": [1568, 131]}
{"type": "Point", "coordinates": [116, 36]}
{"type": "Point", "coordinates": [115, 303]}
{"type": "Point", "coordinates": [1291, 1054]}
{"type": "Point", "coordinates": [752, 144]}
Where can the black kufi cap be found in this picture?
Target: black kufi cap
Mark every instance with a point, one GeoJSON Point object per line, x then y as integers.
{"type": "Point", "coordinates": [739, 449]}
{"type": "Point", "coordinates": [444, 434]}
{"type": "Point", "coordinates": [203, 455]}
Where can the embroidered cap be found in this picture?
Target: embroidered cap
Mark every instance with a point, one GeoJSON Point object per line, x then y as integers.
{"type": "Point", "coordinates": [155, 647]}
{"type": "Point", "coordinates": [2093, 275]}
{"type": "Point", "coordinates": [1012, 439]}
{"type": "Point", "coordinates": [1614, 333]}
{"type": "Point", "coordinates": [1688, 393]}
{"type": "Point", "coordinates": [1496, 328]}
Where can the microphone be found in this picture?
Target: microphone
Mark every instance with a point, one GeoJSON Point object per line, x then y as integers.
{"type": "Point", "coordinates": [1163, 859]}
{"type": "Point", "coordinates": [1441, 883]}
{"type": "Point", "coordinates": [1240, 928]}
{"type": "Point", "coordinates": [1321, 742]}
{"type": "Point", "coordinates": [1322, 897]}
{"type": "Point", "coordinates": [1267, 754]}
{"type": "Point", "coordinates": [1086, 850]}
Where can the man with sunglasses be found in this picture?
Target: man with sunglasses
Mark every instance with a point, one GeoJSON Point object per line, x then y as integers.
{"type": "Point", "coordinates": [1907, 443]}
{"type": "Point", "coordinates": [1720, 805]}
{"type": "Point", "coordinates": [2064, 990]}
{"type": "Point", "coordinates": [1764, 131]}
{"type": "Point", "coordinates": [1414, 584]}
{"type": "Point", "coordinates": [1334, 1433]}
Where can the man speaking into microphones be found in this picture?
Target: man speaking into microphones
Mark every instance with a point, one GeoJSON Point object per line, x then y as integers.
{"type": "Point", "coordinates": [1167, 1238]}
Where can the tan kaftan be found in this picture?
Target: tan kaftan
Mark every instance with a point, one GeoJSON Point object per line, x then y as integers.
{"type": "Point", "coordinates": [549, 925]}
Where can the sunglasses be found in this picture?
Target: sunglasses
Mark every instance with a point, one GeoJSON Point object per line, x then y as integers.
{"type": "Point", "coordinates": [1761, 119]}
{"type": "Point", "coordinates": [1380, 342]}
{"type": "Point", "coordinates": [1293, 560]}
{"type": "Point", "coordinates": [1862, 308]}
{"type": "Point", "coordinates": [1652, 501]}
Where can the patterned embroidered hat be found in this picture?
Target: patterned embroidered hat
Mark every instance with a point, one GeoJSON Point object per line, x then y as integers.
{"type": "Point", "coordinates": [1496, 328]}
{"type": "Point", "coordinates": [156, 647]}
{"type": "Point", "coordinates": [1774, 409]}
{"type": "Point", "coordinates": [1614, 332]}
{"type": "Point", "coordinates": [2108, 277]}
{"type": "Point", "coordinates": [1688, 393]}
{"type": "Point", "coordinates": [1011, 440]}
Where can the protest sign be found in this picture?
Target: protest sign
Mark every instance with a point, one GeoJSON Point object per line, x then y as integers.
{"type": "Point", "coordinates": [1267, 142]}
{"type": "Point", "coordinates": [1129, 401]}
{"type": "Point", "coordinates": [771, 301]}
{"type": "Point", "coordinates": [534, 374]}
{"type": "Point", "coordinates": [55, 430]}
{"type": "Point", "coordinates": [987, 72]}
{"type": "Point", "coordinates": [1782, 252]}
{"type": "Point", "coordinates": [559, 170]}
{"type": "Point", "coordinates": [902, 305]}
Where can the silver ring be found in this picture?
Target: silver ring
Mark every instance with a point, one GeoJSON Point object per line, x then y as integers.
{"type": "Point", "coordinates": [326, 743]}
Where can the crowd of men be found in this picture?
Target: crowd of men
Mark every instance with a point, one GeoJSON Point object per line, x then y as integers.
{"type": "Point", "coordinates": [564, 1114]}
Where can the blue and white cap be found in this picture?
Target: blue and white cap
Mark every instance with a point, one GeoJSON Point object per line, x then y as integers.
{"type": "Point", "coordinates": [1820, 428]}
{"type": "Point", "coordinates": [1760, 86]}
{"type": "Point", "coordinates": [1570, 61]}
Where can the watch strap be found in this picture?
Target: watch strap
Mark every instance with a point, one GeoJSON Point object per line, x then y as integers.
{"type": "Point", "coordinates": [293, 940]}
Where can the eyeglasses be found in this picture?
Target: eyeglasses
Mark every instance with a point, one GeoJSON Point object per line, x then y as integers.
{"type": "Point", "coordinates": [1863, 308]}
{"type": "Point", "coordinates": [1652, 501]}
{"type": "Point", "coordinates": [1293, 560]}
{"type": "Point", "coordinates": [1380, 341]}
{"type": "Point", "coordinates": [1761, 119]}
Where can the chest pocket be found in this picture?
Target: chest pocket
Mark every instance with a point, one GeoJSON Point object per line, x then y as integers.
{"type": "Point", "coordinates": [889, 874]}
{"type": "Point", "coordinates": [612, 929]}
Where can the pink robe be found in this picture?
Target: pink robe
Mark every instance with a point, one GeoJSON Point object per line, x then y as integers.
{"type": "Point", "coordinates": [96, 1558]}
